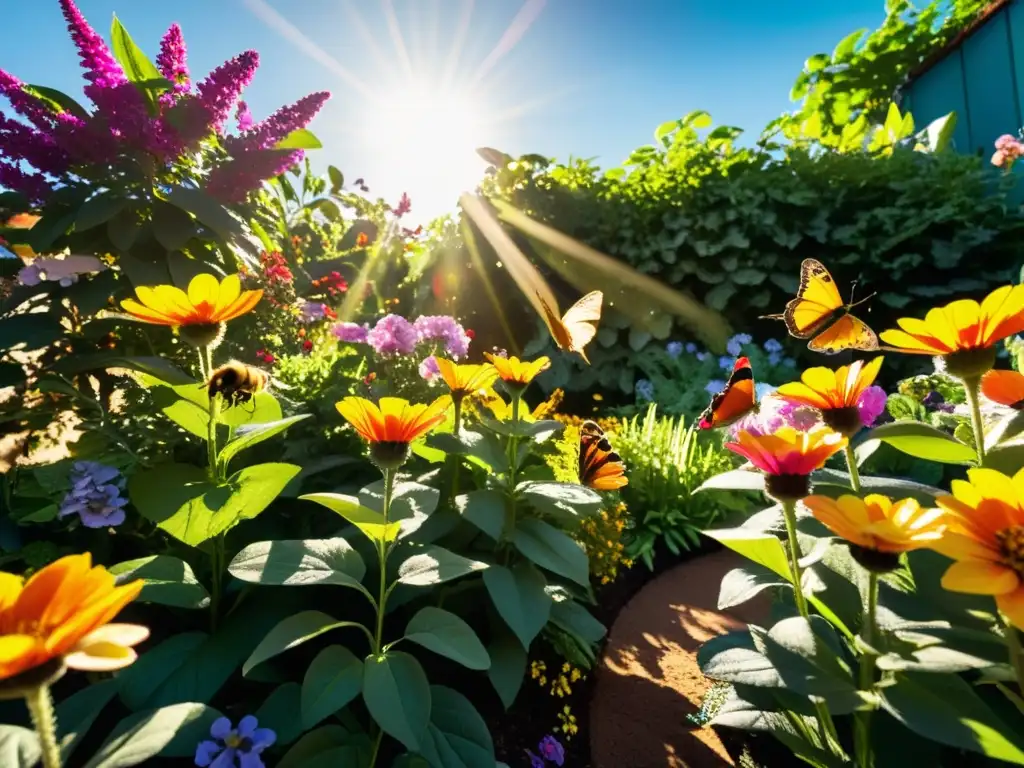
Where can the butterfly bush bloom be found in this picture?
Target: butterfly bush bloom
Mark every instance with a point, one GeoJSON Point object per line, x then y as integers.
{"type": "Point", "coordinates": [243, 117]}
{"type": "Point", "coordinates": [95, 495]}
{"type": "Point", "coordinates": [234, 747]}
{"type": "Point", "coordinates": [674, 349]}
{"type": "Point", "coordinates": [429, 370]}
{"type": "Point", "coordinates": [101, 69]}
{"type": "Point", "coordinates": [735, 344]}
{"type": "Point", "coordinates": [644, 389]}
{"type": "Point", "coordinates": [171, 61]}
{"type": "Point", "coordinates": [266, 133]}
{"type": "Point", "coordinates": [871, 405]}
{"type": "Point", "coordinates": [550, 749]}
{"type": "Point", "coordinates": [443, 328]}
{"type": "Point", "coordinates": [393, 335]}
{"type": "Point", "coordinates": [353, 333]}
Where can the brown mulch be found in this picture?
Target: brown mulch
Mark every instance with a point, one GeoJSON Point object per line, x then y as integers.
{"type": "Point", "coordinates": [648, 680]}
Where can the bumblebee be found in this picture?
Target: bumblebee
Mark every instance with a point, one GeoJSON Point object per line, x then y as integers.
{"type": "Point", "coordinates": [237, 382]}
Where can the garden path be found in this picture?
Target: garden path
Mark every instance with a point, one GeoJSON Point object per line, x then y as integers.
{"type": "Point", "coordinates": [648, 680]}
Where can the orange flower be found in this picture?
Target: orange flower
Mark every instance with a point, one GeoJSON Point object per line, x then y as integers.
{"type": "Point", "coordinates": [391, 426]}
{"type": "Point", "coordinates": [208, 302]}
{"type": "Point", "coordinates": [877, 523]}
{"type": "Point", "coordinates": [835, 393]}
{"type": "Point", "coordinates": [1004, 387]}
{"type": "Point", "coordinates": [788, 456]}
{"type": "Point", "coordinates": [516, 372]}
{"type": "Point", "coordinates": [64, 611]}
{"type": "Point", "coordinates": [963, 332]}
{"type": "Point", "coordinates": [464, 380]}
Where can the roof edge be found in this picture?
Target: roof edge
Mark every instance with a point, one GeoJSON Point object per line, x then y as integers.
{"type": "Point", "coordinates": [991, 10]}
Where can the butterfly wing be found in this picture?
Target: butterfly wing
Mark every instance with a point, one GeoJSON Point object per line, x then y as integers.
{"type": "Point", "coordinates": [848, 332]}
{"type": "Point", "coordinates": [580, 322]}
{"type": "Point", "coordinates": [1004, 387]}
{"type": "Point", "coordinates": [600, 467]}
{"type": "Point", "coordinates": [816, 301]}
{"type": "Point", "coordinates": [735, 401]}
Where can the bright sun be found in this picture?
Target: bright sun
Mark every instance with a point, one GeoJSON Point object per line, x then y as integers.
{"type": "Point", "coordinates": [427, 137]}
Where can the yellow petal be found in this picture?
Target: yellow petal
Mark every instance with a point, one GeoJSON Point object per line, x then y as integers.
{"type": "Point", "coordinates": [956, 546]}
{"type": "Point", "coordinates": [979, 577]}
{"type": "Point", "coordinates": [230, 288]}
{"type": "Point", "coordinates": [203, 289]}
{"type": "Point", "coordinates": [799, 392]}
{"type": "Point", "coordinates": [10, 588]}
{"type": "Point", "coordinates": [907, 343]}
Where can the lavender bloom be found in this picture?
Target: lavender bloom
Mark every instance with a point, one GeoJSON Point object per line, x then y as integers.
{"type": "Point", "coordinates": [232, 181]}
{"type": "Point", "coordinates": [551, 749]}
{"type": "Point", "coordinates": [392, 335]}
{"type": "Point", "coordinates": [443, 328]}
{"type": "Point", "coordinates": [234, 748]}
{"type": "Point", "coordinates": [266, 133]}
{"type": "Point", "coordinates": [674, 349]}
{"type": "Point", "coordinates": [102, 70]}
{"type": "Point", "coordinates": [934, 401]}
{"type": "Point", "coordinates": [735, 345]}
{"type": "Point", "coordinates": [691, 348]}
{"type": "Point", "coordinates": [772, 345]}
{"type": "Point", "coordinates": [217, 94]}
{"type": "Point", "coordinates": [644, 389]}
{"type": "Point", "coordinates": [725, 362]}
{"type": "Point", "coordinates": [171, 61]}
{"type": "Point", "coordinates": [243, 117]}
{"type": "Point", "coordinates": [714, 386]}
{"type": "Point", "coordinates": [312, 312]}
{"type": "Point", "coordinates": [353, 333]}
{"type": "Point", "coordinates": [871, 405]}
{"type": "Point", "coordinates": [772, 413]}
{"type": "Point", "coordinates": [536, 761]}
{"type": "Point", "coordinates": [95, 495]}
{"type": "Point", "coordinates": [429, 370]}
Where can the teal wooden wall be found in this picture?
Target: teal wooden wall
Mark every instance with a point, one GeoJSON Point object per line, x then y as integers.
{"type": "Point", "coordinates": [982, 80]}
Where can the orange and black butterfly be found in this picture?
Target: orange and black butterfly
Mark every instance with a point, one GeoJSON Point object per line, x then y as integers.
{"type": "Point", "coordinates": [1004, 387]}
{"type": "Point", "coordinates": [600, 466]}
{"type": "Point", "coordinates": [735, 401]}
{"type": "Point", "coordinates": [819, 313]}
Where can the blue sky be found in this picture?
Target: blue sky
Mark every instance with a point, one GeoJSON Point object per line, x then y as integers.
{"type": "Point", "coordinates": [583, 77]}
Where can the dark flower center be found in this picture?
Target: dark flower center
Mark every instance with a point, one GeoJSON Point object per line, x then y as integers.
{"type": "Point", "coordinates": [787, 487]}
{"type": "Point", "coordinates": [389, 454]}
{"type": "Point", "coordinates": [1011, 545]}
{"type": "Point", "coordinates": [970, 364]}
{"type": "Point", "coordinates": [873, 560]}
{"type": "Point", "coordinates": [846, 420]}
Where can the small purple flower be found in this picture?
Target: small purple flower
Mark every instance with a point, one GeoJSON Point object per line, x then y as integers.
{"type": "Point", "coordinates": [443, 328]}
{"type": "Point", "coordinates": [550, 749]}
{"type": "Point", "coordinates": [536, 761]}
{"type": "Point", "coordinates": [95, 495]}
{"type": "Point", "coordinates": [774, 358]}
{"type": "Point", "coordinates": [353, 333]}
{"type": "Point", "coordinates": [644, 389]}
{"type": "Point", "coordinates": [234, 748]}
{"type": "Point", "coordinates": [429, 370]}
{"type": "Point", "coordinates": [725, 362]}
{"type": "Point", "coordinates": [735, 345]}
{"type": "Point", "coordinates": [312, 312]}
{"type": "Point", "coordinates": [691, 348]}
{"type": "Point", "coordinates": [393, 335]}
{"type": "Point", "coordinates": [772, 413]}
{"type": "Point", "coordinates": [243, 117]}
{"type": "Point", "coordinates": [217, 94]}
{"type": "Point", "coordinates": [871, 405]}
{"type": "Point", "coordinates": [674, 349]}
{"type": "Point", "coordinates": [714, 386]}
{"type": "Point", "coordinates": [702, 356]}
{"type": "Point", "coordinates": [772, 345]}
{"type": "Point", "coordinates": [934, 401]}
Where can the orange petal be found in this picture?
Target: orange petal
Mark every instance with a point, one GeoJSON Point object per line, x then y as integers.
{"type": "Point", "coordinates": [239, 306]}
{"type": "Point", "coordinates": [979, 577]}
{"type": "Point", "coordinates": [1011, 605]}
{"type": "Point", "coordinates": [141, 312]}
{"type": "Point", "coordinates": [17, 653]}
{"type": "Point", "coordinates": [912, 344]}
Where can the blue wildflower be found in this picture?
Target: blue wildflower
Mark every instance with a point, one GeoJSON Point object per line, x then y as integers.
{"type": "Point", "coordinates": [690, 348]}
{"type": "Point", "coordinates": [774, 358]}
{"type": "Point", "coordinates": [789, 362]}
{"type": "Point", "coordinates": [536, 761]}
{"type": "Point", "coordinates": [551, 749]}
{"type": "Point", "coordinates": [95, 495]}
{"type": "Point", "coordinates": [702, 356]}
{"type": "Point", "coordinates": [234, 748]}
{"type": "Point", "coordinates": [735, 345]}
{"type": "Point", "coordinates": [725, 362]}
{"type": "Point", "coordinates": [763, 389]}
{"type": "Point", "coordinates": [772, 345]}
{"type": "Point", "coordinates": [644, 389]}
{"type": "Point", "coordinates": [714, 386]}
{"type": "Point", "coordinates": [674, 349]}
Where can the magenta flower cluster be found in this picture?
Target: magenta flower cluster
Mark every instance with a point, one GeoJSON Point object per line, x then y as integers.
{"type": "Point", "coordinates": [39, 151]}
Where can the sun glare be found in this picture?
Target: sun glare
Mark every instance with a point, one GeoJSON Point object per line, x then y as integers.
{"type": "Point", "coordinates": [427, 136]}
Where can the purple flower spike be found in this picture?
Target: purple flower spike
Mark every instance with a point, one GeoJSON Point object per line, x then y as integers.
{"type": "Point", "coordinates": [20, 142]}
{"type": "Point", "coordinates": [234, 748]}
{"type": "Point", "coordinates": [266, 133]}
{"type": "Point", "coordinates": [31, 185]}
{"type": "Point", "coordinates": [218, 94]}
{"type": "Point", "coordinates": [25, 105]}
{"type": "Point", "coordinates": [172, 59]}
{"type": "Point", "coordinates": [230, 182]}
{"type": "Point", "coordinates": [101, 69]}
{"type": "Point", "coordinates": [551, 749]}
{"type": "Point", "coordinates": [243, 117]}
{"type": "Point", "coordinates": [95, 495]}
{"type": "Point", "coordinates": [393, 335]}
{"type": "Point", "coordinates": [871, 405]}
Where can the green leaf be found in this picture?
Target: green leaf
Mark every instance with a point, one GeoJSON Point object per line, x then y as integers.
{"type": "Point", "coordinates": [508, 666]}
{"type": "Point", "coordinates": [435, 565]}
{"type": "Point", "coordinates": [123, 229]}
{"type": "Point", "coordinates": [137, 67]}
{"type": "Point", "coordinates": [292, 632]}
{"type": "Point", "coordinates": [567, 502]}
{"type": "Point", "coordinates": [923, 441]}
{"type": "Point", "coordinates": [180, 499]}
{"type": "Point", "coordinates": [77, 713]}
{"type": "Point", "coordinates": [741, 584]}
{"type": "Point", "coordinates": [172, 227]}
{"type": "Point", "coordinates": [762, 548]}
{"type": "Point", "coordinates": [448, 635]}
{"type": "Point", "coordinates": [734, 480]}
{"type": "Point", "coordinates": [485, 447]}
{"type": "Point", "coordinates": [207, 210]}
{"type": "Point", "coordinates": [944, 708]}
{"type": "Point", "coordinates": [334, 678]}
{"type": "Point", "coordinates": [848, 44]}
{"type": "Point", "coordinates": [278, 713]}
{"type": "Point", "coordinates": [300, 562]}
{"type": "Point", "coordinates": [373, 524]}
{"type": "Point", "coordinates": [337, 178]}
{"type": "Point", "coordinates": [486, 509]}
{"type": "Point", "coordinates": [262, 409]}
{"type": "Point", "coordinates": [411, 503]}
{"type": "Point", "coordinates": [518, 595]}
{"type": "Point", "coordinates": [98, 209]}
{"type": "Point", "coordinates": [817, 62]}
{"type": "Point", "coordinates": [573, 618]}
{"type": "Point", "coordinates": [552, 549]}
{"type": "Point", "coordinates": [328, 741]}
{"type": "Point", "coordinates": [458, 735]}
{"type": "Point", "coordinates": [144, 735]}
{"type": "Point", "coordinates": [397, 694]}
{"type": "Point", "coordinates": [300, 138]}
{"type": "Point", "coordinates": [19, 747]}
{"type": "Point", "coordinates": [168, 581]}
{"type": "Point", "coordinates": [137, 683]}
{"type": "Point", "coordinates": [56, 101]}
{"type": "Point", "coordinates": [187, 405]}
{"type": "Point", "coordinates": [246, 436]}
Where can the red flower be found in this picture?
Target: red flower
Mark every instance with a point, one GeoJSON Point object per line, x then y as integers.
{"type": "Point", "coordinates": [362, 240]}
{"type": "Point", "coordinates": [307, 346]}
{"type": "Point", "coordinates": [471, 333]}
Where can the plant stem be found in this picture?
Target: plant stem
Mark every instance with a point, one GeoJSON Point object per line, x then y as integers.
{"type": "Point", "coordinates": [382, 557]}
{"type": "Point", "coordinates": [456, 461]}
{"type": "Point", "coordinates": [202, 365]}
{"type": "Point", "coordinates": [862, 730]}
{"type": "Point", "coordinates": [513, 441]}
{"type": "Point", "coordinates": [851, 463]}
{"type": "Point", "coordinates": [1014, 648]}
{"type": "Point", "coordinates": [972, 390]}
{"type": "Point", "coordinates": [789, 512]}
{"type": "Point", "coordinates": [40, 707]}
{"type": "Point", "coordinates": [217, 579]}
{"type": "Point", "coordinates": [211, 428]}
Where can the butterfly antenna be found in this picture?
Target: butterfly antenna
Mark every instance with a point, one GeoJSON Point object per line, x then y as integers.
{"type": "Point", "coordinates": [858, 303]}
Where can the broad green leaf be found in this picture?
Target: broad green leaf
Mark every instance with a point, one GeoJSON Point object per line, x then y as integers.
{"type": "Point", "coordinates": [435, 565]}
{"type": "Point", "coordinates": [762, 548]}
{"type": "Point", "coordinates": [292, 632]}
{"type": "Point", "coordinates": [262, 409]}
{"type": "Point", "coordinates": [333, 679]}
{"type": "Point", "coordinates": [397, 694]}
{"type": "Point", "coordinates": [172, 227]}
{"type": "Point", "coordinates": [278, 713]}
{"type": "Point", "coordinates": [741, 584]}
{"type": "Point", "coordinates": [458, 735]}
{"type": "Point", "coordinates": [484, 508]}
{"type": "Point", "coordinates": [187, 405]}
{"type": "Point", "coordinates": [144, 735]}
{"type": "Point", "coordinates": [508, 666]}
{"type": "Point", "coordinates": [944, 708]}
{"type": "Point", "coordinates": [167, 581]}
{"type": "Point", "coordinates": [519, 596]}
{"type": "Point", "coordinates": [246, 436]}
{"type": "Point", "coordinates": [484, 447]}
{"type": "Point", "coordinates": [552, 550]}
{"type": "Point", "coordinates": [325, 741]}
{"type": "Point", "coordinates": [137, 67]}
{"type": "Point", "coordinates": [337, 178]}
{"type": "Point", "coordinates": [77, 713]}
{"type": "Point", "coordinates": [300, 138]}
{"type": "Point", "coordinates": [448, 635]}
{"type": "Point", "coordinates": [180, 499]}
{"type": "Point", "coordinates": [734, 480]}
{"type": "Point", "coordinates": [207, 210]}
{"type": "Point", "coordinates": [566, 502]}
{"type": "Point", "coordinates": [161, 372]}
{"type": "Point", "coordinates": [371, 523]}
{"type": "Point", "coordinates": [56, 101]}
{"type": "Point", "coordinates": [300, 562]}
{"type": "Point", "coordinates": [923, 441]}
{"type": "Point", "coordinates": [136, 684]}
{"type": "Point", "coordinates": [411, 503]}
{"type": "Point", "coordinates": [572, 617]}
{"type": "Point", "coordinates": [19, 747]}
{"type": "Point", "coordinates": [98, 209]}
